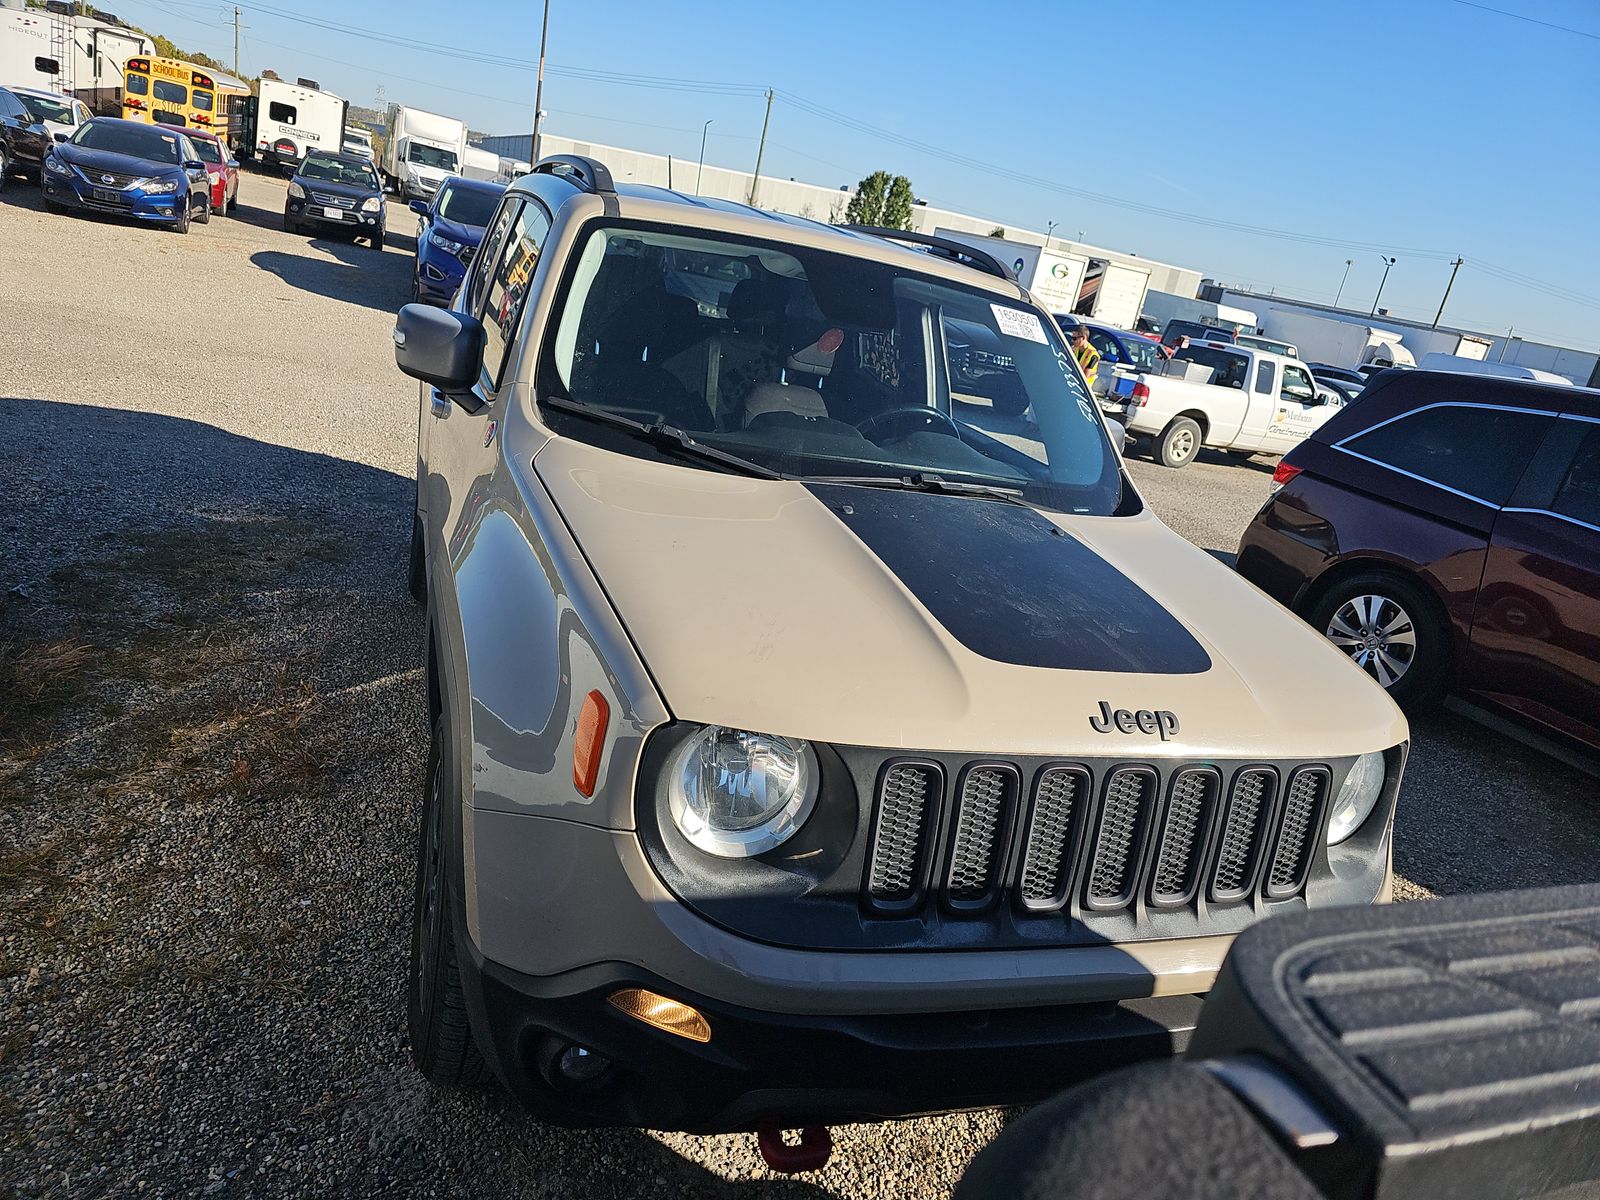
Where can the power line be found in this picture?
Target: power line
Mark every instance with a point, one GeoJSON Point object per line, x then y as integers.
{"type": "Point", "coordinates": [1500, 12]}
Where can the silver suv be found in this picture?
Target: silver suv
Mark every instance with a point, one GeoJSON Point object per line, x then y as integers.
{"type": "Point", "coordinates": [812, 740]}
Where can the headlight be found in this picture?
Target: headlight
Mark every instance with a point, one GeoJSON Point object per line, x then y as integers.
{"type": "Point", "coordinates": [55, 166]}
{"type": "Point", "coordinates": [736, 794]}
{"type": "Point", "coordinates": [158, 187]}
{"type": "Point", "coordinates": [1356, 798]}
{"type": "Point", "coordinates": [445, 244]}
{"type": "Point", "coordinates": [295, 190]}
{"type": "Point", "coordinates": [214, 178]}
{"type": "Point", "coordinates": [372, 204]}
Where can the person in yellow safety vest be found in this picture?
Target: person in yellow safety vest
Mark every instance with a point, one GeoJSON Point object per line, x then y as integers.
{"type": "Point", "coordinates": [1088, 357]}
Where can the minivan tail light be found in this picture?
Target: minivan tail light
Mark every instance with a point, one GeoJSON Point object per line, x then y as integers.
{"type": "Point", "coordinates": [1141, 394]}
{"type": "Point", "coordinates": [1285, 472]}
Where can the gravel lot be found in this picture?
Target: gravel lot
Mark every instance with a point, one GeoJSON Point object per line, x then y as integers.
{"type": "Point", "coordinates": [211, 741]}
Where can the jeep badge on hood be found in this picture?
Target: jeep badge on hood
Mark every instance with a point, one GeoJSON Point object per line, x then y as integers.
{"type": "Point", "coordinates": [1143, 719]}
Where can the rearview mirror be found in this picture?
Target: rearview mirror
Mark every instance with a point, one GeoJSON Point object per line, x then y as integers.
{"type": "Point", "coordinates": [420, 207]}
{"type": "Point", "coordinates": [440, 348]}
{"type": "Point", "coordinates": [62, 136]}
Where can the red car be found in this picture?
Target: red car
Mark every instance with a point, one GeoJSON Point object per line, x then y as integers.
{"type": "Point", "coordinates": [1444, 532]}
{"type": "Point", "coordinates": [221, 168]}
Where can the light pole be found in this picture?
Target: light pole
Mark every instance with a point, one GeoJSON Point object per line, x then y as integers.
{"type": "Point", "coordinates": [538, 88]}
{"type": "Point", "coordinates": [1050, 227]}
{"type": "Point", "coordinates": [704, 129]}
{"type": "Point", "coordinates": [1387, 263]}
{"type": "Point", "coordinates": [1342, 282]}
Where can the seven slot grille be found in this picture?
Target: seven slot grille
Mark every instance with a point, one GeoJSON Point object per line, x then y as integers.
{"type": "Point", "coordinates": [1099, 838]}
{"type": "Point", "coordinates": [329, 200]}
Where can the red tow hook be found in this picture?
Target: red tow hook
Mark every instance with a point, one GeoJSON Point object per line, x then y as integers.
{"type": "Point", "coordinates": [811, 1153]}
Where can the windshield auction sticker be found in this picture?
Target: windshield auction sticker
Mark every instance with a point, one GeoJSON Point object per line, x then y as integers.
{"type": "Point", "coordinates": [1016, 323]}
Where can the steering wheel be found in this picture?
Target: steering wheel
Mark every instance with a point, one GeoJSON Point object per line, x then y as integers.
{"type": "Point", "coordinates": [915, 415]}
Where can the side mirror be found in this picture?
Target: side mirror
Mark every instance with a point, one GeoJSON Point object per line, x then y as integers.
{"type": "Point", "coordinates": [62, 136]}
{"type": "Point", "coordinates": [420, 207]}
{"type": "Point", "coordinates": [441, 348]}
{"type": "Point", "coordinates": [233, 164]}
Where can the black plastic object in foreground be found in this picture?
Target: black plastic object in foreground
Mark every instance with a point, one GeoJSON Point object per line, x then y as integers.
{"type": "Point", "coordinates": [1452, 1045]}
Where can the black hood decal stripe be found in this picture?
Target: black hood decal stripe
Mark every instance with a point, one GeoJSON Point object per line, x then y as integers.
{"type": "Point", "coordinates": [1011, 586]}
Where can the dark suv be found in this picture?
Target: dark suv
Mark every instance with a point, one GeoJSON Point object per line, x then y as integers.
{"type": "Point", "coordinates": [1445, 533]}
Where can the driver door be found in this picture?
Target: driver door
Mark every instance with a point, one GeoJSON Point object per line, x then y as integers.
{"type": "Point", "coordinates": [1298, 411]}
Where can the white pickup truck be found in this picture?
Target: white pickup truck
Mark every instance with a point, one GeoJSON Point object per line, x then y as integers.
{"type": "Point", "coordinates": [1227, 397]}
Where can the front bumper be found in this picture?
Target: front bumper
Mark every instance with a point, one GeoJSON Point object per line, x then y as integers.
{"type": "Point", "coordinates": [349, 220]}
{"type": "Point", "coordinates": [165, 208]}
{"type": "Point", "coordinates": [794, 1070]}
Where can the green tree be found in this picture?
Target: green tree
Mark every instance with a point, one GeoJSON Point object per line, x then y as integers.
{"type": "Point", "coordinates": [998, 231]}
{"type": "Point", "coordinates": [881, 199]}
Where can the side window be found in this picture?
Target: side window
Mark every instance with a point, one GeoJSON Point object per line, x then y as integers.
{"type": "Point", "coordinates": [1297, 386]}
{"type": "Point", "coordinates": [9, 106]}
{"type": "Point", "coordinates": [1266, 372]}
{"type": "Point", "coordinates": [1479, 452]}
{"type": "Point", "coordinates": [513, 274]}
{"type": "Point", "coordinates": [1578, 496]}
{"type": "Point", "coordinates": [282, 113]}
{"type": "Point", "coordinates": [489, 253]}
{"type": "Point", "coordinates": [1108, 348]}
{"type": "Point", "coordinates": [137, 85]}
{"type": "Point", "coordinates": [47, 66]}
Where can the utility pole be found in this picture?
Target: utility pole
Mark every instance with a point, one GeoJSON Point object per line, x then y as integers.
{"type": "Point", "coordinates": [236, 42]}
{"type": "Point", "coordinates": [762, 148]}
{"type": "Point", "coordinates": [700, 170]}
{"type": "Point", "coordinates": [1050, 227]}
{"type": "Point", "coordinates": [538, 88]}
{"type": "Point", "coordinates": [1347, 265]}
{"type": "Point", "coordinates": [1388, 262]}
{"type": "Point", "coordinates": [1454, 267]}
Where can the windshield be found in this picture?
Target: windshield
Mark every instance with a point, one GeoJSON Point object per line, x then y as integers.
{"type": "Point", "coordinates": [208, 150]}
{"type": "Point", "coordinates": [431, 156]}
{"type": "Point", "coordinates": [334, 171]}
{"type": "Point", "coordinates": [820, 364]}
{"type": "Point", "coordinates": [122, 137]}
{"type": "Point", "coordinates": [45, 109]}
{"type": "Point", "coordinates": [468, 206]}
{"type": "Point", "coordinates": [1229, 369]}
{"type": "Point", "coordinates": [1142, 352]}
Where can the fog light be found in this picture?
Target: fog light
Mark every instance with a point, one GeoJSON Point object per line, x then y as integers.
{"type": "Point", "coordinates": [579, 1064]}
{"type": "Point", "coordinates": [663, 1014]}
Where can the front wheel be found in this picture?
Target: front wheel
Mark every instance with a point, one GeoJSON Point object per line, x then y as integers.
{"type": "Point", "coordinates": [182, 225]}
{"type": "Point", "coordinates": [203, 216]}
{"type": "Point", "coordinates": [417, 568]}
{"type": "Point", "coordinates": [290, 225]}
{"type": "Point", "coordinates": [5, 168]}
{"type": "Point", "coordinates": [1390, 627]}
{"type": "Point", "coordinates": [376, 240]}
{"type": "Point", "coordinates": [1179, 443]}
{"type": "Point", "coordinates": [441, 1037]}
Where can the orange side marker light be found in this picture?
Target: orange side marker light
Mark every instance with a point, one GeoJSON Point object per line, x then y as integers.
{"type": "Point", "coordinates": [588, 742]}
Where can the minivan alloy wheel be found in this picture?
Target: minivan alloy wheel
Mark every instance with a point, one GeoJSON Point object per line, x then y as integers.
{"type": "Point", "coordinates": [1378, 634]}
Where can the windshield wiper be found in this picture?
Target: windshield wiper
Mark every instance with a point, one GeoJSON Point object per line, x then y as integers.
{"type": "Point", "coordinates": [928, 481]}
{"type": "Point", "coordinates": [659, 433]}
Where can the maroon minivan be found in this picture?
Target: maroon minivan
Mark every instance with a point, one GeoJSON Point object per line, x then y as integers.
{"type": "Point", "coordinates": [1444, 531]}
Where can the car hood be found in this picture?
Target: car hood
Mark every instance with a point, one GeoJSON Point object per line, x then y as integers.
{"type": "Point", "coordinates": [899, 619]}
{"type": "Point", "coordinates": [467, 235]}
{"type": "Point", "coordinates": [328, 187]}
{"type": "Point", "coordinates": [123, 164]}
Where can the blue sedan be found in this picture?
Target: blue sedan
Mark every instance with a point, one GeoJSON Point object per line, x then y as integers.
{"type": "Point", "coordinates": [129, 169]}
{"type": "Point", "coordinates": [452, 229]}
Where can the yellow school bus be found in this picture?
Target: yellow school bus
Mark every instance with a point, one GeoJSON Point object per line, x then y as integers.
{"type": "Point", "coordinates": [169, 91]}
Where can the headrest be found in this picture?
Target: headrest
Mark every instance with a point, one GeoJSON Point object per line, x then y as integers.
{"type": "Point", "coordinates": [783, 398]}
{"type": "Point", "coordinates": [756, 297]}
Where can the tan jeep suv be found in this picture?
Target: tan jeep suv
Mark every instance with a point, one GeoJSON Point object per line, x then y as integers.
{"type": "Point", "coordinates": [813, 741]}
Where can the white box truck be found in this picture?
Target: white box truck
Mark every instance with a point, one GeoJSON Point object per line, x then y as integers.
{"type": "Point", "coordinates": [293, 119]}
{"type": "Point", "coordinates": [480, 164]}
{"type": "Point", "coordinates": [1161, 308]}
{"type": "Point", "coordinates": [1339, 343]}
{"type": "Point", "coordinates": [421, 151]}
{"type": "Point", "coordinates": [1055, 278]}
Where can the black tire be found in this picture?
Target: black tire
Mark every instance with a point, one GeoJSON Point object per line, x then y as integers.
{"type": "Point", "coordinates": [203, 217]}
{"type": "Point", "coordinates": [417, 569]}
{"type": "Point", "coordinates": [290, 225]}
{"type": "Point", "coordinates": [52, 206]}
{"type": "Point", "coordinates": [441, 1036]}
{"type": "Point", "coordinates": [5, 168]}
{"type": "Point", "coordinates": [182, 225]}
{"type": "Point", "coordinates": [376, 240]}
{"type": "Point", "coordinates": [1381, 619]}
{"type": "Point", "coordinates": [232, 205]}
{"type": "Point", "coordinates": [1179, 443]}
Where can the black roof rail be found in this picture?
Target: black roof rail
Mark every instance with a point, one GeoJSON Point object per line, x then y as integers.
{"type": "Point", "coordinates": [589, 173]}
{"type": "Point", "coordinates": [960, 252]}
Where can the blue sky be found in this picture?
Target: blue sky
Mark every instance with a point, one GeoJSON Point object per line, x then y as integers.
{"type": "Point", "coordinates": [1424, 128]}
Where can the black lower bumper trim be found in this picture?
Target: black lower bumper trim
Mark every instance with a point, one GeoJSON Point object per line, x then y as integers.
{"type": "Point", "coordinates": [797, 1069]}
